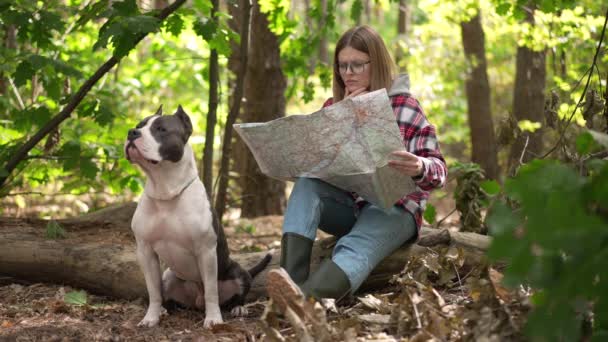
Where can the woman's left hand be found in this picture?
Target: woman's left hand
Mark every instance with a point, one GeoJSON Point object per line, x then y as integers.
{"type": "Point", "coordinates": [407, 163]}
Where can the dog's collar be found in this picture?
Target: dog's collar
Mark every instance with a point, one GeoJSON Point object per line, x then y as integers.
{"type": "Point", "coordinates": [177, 194]}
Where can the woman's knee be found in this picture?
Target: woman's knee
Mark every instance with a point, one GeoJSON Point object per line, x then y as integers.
{"type": "Point", "coordinates": [308, 189]}
{"type": "Point", "coordinates": [304, 184]}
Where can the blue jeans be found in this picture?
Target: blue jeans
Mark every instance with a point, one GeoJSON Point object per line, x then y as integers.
{"type": "Point", "coordinates": [365, 237]}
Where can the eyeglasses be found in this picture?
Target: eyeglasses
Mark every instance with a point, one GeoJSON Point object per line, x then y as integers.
{"type": "Point", "coordinates": [355, 67]}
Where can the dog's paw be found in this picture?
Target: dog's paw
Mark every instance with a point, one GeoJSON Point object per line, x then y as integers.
{"type": "Point", "coordinates": [239, 311]}
{"type": "Point", "coordinates": [149, 321]}
{"type": "Point", "coordinates": [211, 321]}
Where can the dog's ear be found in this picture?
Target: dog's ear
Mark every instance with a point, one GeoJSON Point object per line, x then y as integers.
{"type": "Point", "coordinates": [159, 111]}
{"type": "Point", "coordinates": [185, 119]}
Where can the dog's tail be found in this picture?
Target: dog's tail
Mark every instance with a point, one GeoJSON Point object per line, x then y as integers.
{"type": "Point", "coordinates": [260, 266]}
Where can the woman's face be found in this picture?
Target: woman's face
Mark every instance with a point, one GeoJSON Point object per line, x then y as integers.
{"type": "Point", "coordinates": [354, 68]}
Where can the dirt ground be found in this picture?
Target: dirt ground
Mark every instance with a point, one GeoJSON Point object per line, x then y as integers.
{"type": "Point", "coordinates": [39, 312]}
{"type": "Point", "coordinates": [422, 307]}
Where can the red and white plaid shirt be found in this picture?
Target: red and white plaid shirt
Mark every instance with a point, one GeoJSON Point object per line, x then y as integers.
{"type": "Point", "coordinates": [418, 138]}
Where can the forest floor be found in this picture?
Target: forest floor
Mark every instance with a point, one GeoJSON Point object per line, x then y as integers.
{"type": "Point", "coordinates": [428, 301]}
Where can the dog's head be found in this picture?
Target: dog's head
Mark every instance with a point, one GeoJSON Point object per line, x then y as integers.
{"type": "Point", "coordinates": [159, 138]}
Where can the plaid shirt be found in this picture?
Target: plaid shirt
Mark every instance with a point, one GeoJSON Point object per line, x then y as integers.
{"type": "Point", "coordinates": [418, 138]}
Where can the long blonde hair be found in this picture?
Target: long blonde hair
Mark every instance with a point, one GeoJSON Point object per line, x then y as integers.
{"type": "Point", "coordinates": [365, 39]}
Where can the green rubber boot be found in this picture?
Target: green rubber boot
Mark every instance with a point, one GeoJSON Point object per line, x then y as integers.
{"type": "Point", "coordinates": [329, 281]}
{"type": "Point", "coordinates": [295, 256]}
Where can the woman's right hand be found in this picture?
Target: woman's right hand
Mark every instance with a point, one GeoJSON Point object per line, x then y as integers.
{"type": "Point", "coordinates": [356, 92]}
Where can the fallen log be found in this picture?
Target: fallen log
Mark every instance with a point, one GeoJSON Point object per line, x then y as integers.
{"type": "Point", "coordinates": [111, 269]}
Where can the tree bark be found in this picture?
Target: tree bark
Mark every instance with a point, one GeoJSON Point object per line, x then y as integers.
{"type": "Point", "coordinates": [235, 108]}
{"type": "Point", "coordinates": [528, 101]}
{"type": "Point", "coordinates": [262, 195]}
{"type": "Point", "coordinates": [207, 170]}
{"type": "Point", "coordinates": [10, 42]}
{"type": "Point", "coordinates": [481, 126]}
{"type": "Point", "coordinates": [403, 24]}
{"type": "Point", "coordinates": [112, 269]}
{"type": "Point", "coordinates": [323, 44]}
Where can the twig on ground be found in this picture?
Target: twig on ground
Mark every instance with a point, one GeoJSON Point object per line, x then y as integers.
{"type": "Point", "coordinates": [444, 218]}
{"type": "Point", "coordinates": [419, 323]}
{"type": "Point", "coordinates": [459, 280]}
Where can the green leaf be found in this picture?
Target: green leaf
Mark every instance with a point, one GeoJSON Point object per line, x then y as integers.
{"type": "Point", "coordinates": [23, 73]}
{"type": "Point", "coordinates": [430, 214]}
{"type": "Point", "coordinates": [205, 28]}
{"type": "Point", "coordinates": [204, 6]}
{"type": "Point", "coordinates": [174, 24]}
{"type": "Point", "coordinates": [124, 32]}
{"type": "Point", "coordinates": [54, 230]}
{"type": "Point", "coordinates": [501, 219]}
{"type": "Point", "coordinates": [60, 66]}
{"type": "Point", "coordinates": [308, 92]}
{"type": "Point", "coordinates": [71, 152]}
{"type": "Point", "coordinates": [78, 298]}
{"type": "Point", "coordinates": [32, 117]}
{"type": "Point", "coordinates": [491, 187]}
{"type": "Point", "coordinates": [503, 8]}
{"type": "Point", "coordinates": [584, 143]}
{"type": "Point", "coordinates": [43, 26]}
{"type": "Point", "coordinates": [134, 185]}
{"type": "Point", "coordinates": [126, 7]}
{"type": "Point", "coordinates": [88, 168]}
{"type": "Point", "coordinates": [519, 13]}
{"type": "Point", "coordinates": [87, 109]}
{"type": "Point", "coordinates": [5, 4]}
{"type": "Point", "coordinates": [356, 10]}
{"type": "Point", "coordinates": [104, 115]}
{"type": "Point", "coordinates": [53, 86]}
{"type": "Point", "coordinates": [91, 12]}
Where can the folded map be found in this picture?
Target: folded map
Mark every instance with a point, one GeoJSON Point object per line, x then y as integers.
{"type": "Point", "coordinates": [347, 145]}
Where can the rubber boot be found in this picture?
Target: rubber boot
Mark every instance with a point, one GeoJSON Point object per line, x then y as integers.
{"type": "Point", "coordinates": [328, 281]}
{"type": "Point", "coordinates": [295, 256]}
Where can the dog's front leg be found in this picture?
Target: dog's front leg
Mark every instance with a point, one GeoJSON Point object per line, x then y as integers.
{"type": "Point", "coordinates": [148, 260]}
{"type": "Point", "coordinates": [208, 266]}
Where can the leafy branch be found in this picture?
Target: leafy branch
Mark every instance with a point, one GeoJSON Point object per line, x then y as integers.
{"type": "Point", "coordinates": [580, 100]}
{"type": "Point", "coordinates": [22, 152]}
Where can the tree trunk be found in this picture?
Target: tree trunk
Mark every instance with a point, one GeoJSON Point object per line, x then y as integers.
{"type": "Point", "coordinates": [323, 44]}
{"type": "Point", "coordinates": [528, 101]}
{"type": "Point", "coordinates": [207, 171]}
{"type": "Point", "coordinates": [112, 269]}
{"type": "Point", "coordinates": [262, 195]}
{"type": "Point", "coordinates": [10, 43]}
{"type": "Point", "coordinates": [403, 24]}
{"type": "Point", "coordinates": [235, 108]}
{"type": "Point", "coordinates": [483, 139]}
{"type": "Point", "coordinates": [239, 149]}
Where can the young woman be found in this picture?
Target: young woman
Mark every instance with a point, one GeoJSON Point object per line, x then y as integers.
{"type": "Point", "coordinates": [366, 233]}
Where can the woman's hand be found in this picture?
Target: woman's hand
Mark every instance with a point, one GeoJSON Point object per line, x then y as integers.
{"type": "Point", "coordinates": [356, 92]}
{"type": "Point", "coordinates": [407, 163]}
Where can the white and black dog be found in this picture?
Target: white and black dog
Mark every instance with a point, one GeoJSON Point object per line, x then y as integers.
{"type": "Point", "coordinates": [173, 222]}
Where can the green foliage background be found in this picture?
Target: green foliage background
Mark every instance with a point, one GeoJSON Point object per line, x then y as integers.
{"type": "Point", "coordinates": [553, 232]}
{"type": "Point", "coordinates": [61, 44]}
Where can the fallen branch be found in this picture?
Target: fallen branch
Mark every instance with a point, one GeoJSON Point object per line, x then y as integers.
{"type": "Point", "coordinates": [112, 270]}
